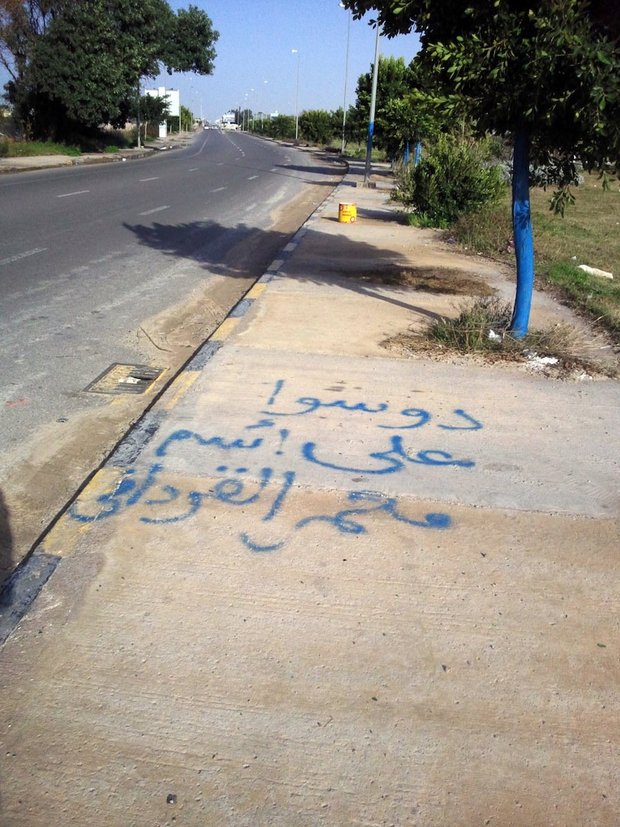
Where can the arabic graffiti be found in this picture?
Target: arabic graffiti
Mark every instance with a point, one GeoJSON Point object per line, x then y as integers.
{"type": "Point", "coordinates": [157, 502]}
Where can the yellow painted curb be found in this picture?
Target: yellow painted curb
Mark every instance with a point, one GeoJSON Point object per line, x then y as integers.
{"type": "Point", "coordinates": [225, 329]}
{"type": "Point", "coordinates": [178, 390]}
{"type": "Point", "coordinates": [256, 291]}
{"type": "Point", "coordinates": [63, 539]}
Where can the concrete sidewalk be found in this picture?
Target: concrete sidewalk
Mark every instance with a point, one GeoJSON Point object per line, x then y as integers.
{"type": "Point", "coordinates": [28, 163]}
{"type": "Point", "coordinates": [327, 583]}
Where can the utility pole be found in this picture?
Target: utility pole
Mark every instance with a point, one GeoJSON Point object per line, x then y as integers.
{"type": "Point", "coordinates": [138, 113]}
{"type": "Point", "coordinates": [346, 78]}
{"type": "Point", "coordinates": [373, 104]}
{"type": "Point", "coordinates": [296, 52]}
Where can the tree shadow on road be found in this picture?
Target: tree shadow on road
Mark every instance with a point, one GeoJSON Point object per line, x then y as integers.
{"type": "Point", "coordinates": [353, 264]}
{"type": "Point", "coordinates": [235, 251]}
{"type": "Point", "coordinates": [311, 169]}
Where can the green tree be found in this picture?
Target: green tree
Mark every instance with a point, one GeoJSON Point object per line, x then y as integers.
{"type": "Point", "coordinates": [422, 113]}
{"type": "Point", "coordinates": [547, 74]}
{"type": "Point", "coordinates": [187, 119]}
{"type": "Point", "coordinates": [76, 64]}
{"type": "Point", "coordinates": [153, 109]}
{"type": "Point", "coordinates": [189, 45]}
{"type": "Point", "coordinates": [316, 126]}
{"type": "Point", "coordinates": [393, 83]}
{"type": "Point", "coordinates": [418, 116]}
{"type": "Point", "coordinates": [281, 127]}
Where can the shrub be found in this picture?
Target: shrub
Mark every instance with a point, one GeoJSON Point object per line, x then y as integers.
{"type": "Point", "coordinates": [453, 178]}
{"type": "Point", "coordinates": [482, 327]}
{"type": "Point", "coordinates": [4, 149]}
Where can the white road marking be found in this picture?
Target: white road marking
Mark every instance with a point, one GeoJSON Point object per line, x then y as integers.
{"type": "Point", "coordinates": [69, 194]}
{"type": "Point", "coordinates": [19, 256]}
{"type": "Point", "coordinates": [202, 146]}
{"type": "Point", "coordinates": [155, 209]}
{"type": "Point", "coordinates": [193, 169]}
{"type": "Point", "coordinates": [252, 177]}
{"type": "Point", "coordinates": [149, 179]}
{"type": "Point", "coordinates": [219, 189]}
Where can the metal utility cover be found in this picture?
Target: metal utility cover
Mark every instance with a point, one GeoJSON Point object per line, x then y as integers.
{"type": "Point", "coordinates": [120, 378]}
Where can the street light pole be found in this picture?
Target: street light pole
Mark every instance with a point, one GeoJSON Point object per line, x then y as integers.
{"type": "Point", "coordinates": [262, 105]}
{"type": "Point", "coordinates": [373, 104]}
{"type": "Point", "coordinates": [296, 52]}
{"type": "Point", "coordinates": [346, 79]}
{"type": "Point", "coordinates": [138, 114]}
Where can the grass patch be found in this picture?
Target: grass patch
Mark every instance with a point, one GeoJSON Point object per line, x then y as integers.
{"type": "Point", "coordinates": [102, 141]}
{"type": "Point", "coordinates": [423, 221]}
{"type": "Point", "coordinates": [597, 297]}
{"type": "Point", "coordinates": [478, 328]}
{"type": "Point", "coordinates": [358, 151]}
{"type": "Point", "coordinates": [589, 234]}
{"type": "Point", "coordinates": [488, 231]}
{"type": "Point", "coordinates": [481, 329]}
{"type": "Point", "coordinates": [20, 149]}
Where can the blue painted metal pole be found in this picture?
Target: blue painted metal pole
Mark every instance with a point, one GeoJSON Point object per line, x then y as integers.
{"type": "Point", "coordinates": [523, 235]}
{"type": "Point", "coordinates": [417, 154]}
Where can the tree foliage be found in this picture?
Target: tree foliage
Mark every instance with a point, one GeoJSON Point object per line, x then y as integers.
{"type": "Point", "coordinates": [551, 68]}
{"type": "Point", "coordinates": [281, 126]}
{"type": "Point", "coordinates": [548, 74]}
{"type": "Point", "coordinates": [317, 126]}
{"type": "Point", "coordinates": [189, 46]}
{"type": "Point", "coordinates": [393, 83]}
{"type": "Point", "coordinates": [151, 109]}
{"type": "Point", "coordinates": [76, 64]}
{"type": "Point", "coordinates": [410, 106]}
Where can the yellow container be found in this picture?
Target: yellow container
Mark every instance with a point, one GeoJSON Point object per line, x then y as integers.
{"type": "Point", "coordinates": [347, 213]}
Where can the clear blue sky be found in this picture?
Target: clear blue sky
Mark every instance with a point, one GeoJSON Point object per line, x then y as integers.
{"type": "Point", "coordinates": [256, 38]}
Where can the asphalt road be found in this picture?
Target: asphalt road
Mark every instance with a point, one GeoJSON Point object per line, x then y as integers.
{"type": "Point", "coordinates": [130, 262]}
